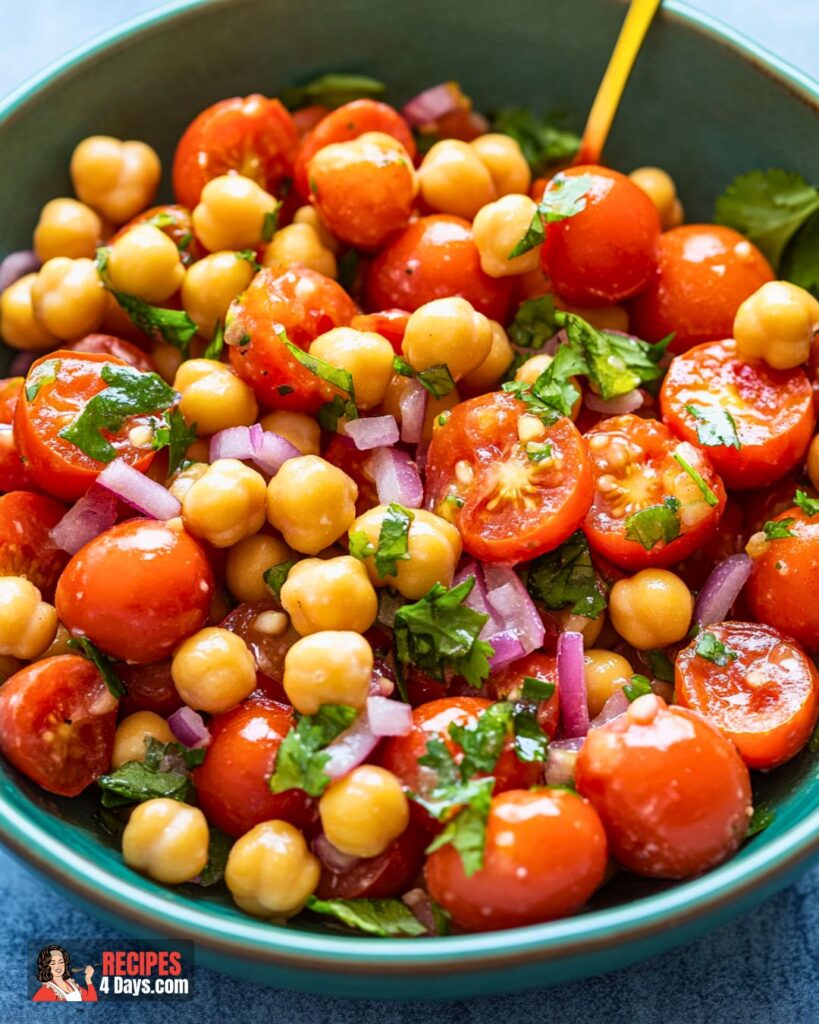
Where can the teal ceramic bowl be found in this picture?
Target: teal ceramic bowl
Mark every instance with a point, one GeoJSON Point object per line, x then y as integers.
{"type": "Point", "coordinates": [702, 103]}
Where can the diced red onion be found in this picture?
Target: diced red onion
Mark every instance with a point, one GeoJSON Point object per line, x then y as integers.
{"type": "Point", "coordinates": [93, 514]}
{"type": "Point", "coordinates": [432, 104]}
{"type": "Point", "coordinates": [381, 686]}
{"type": "Point", "coordinates": [477, 598]}
{"type": "Point", "coordinates": [420, 903]}
{"type": "Point", "coordinates": [388, 717]}
{"type": "Point", "coordinates": [512, 606]}
{"type": "Point", "coordinates": [573, 743]}
{"type": "Point", "coordinates": [571, 683]}
{"type": "Point", "coordinates": [413, 408]}
{"type": "Point", "coordinates": [721, 589]}
{"type": "Point", "coordinates": [17, 265]}
{"type": "Point", "coordinates": [507, 648]}
{"type": "Point", "coordinates": [560, 764]}
{"type": "Point", "coordinates": [139, 491]}
{"type": "Point", "coordinates": [351, 748]}
{"type": "Point", "coordinates": [631, 401]}
{"type": "Point", "coordinates": [19, 366]}
{"type": "Point", "coordinates": [189, 727]}
{"type": "Point", "coordinates": [331, 857]}
{"type": "Point", "coordinates": [372, 432]}
{"type": "Point", "coordinates": [268, 450]}
{"type": "Point", "coordinates": [396, 478]}
{"type": "Point", "coordinates": [616, 705]}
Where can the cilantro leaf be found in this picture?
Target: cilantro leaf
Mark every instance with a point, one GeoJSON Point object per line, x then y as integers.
{"type": "Point", "coordinates": [270, 222]}
{"type": "Point", "coordinates": [173, 432]}
{"type": "Point", "coordinates": [275, 576]}
{"type": "Point", "coordinates": [402, 367]}
{"type": "Point", "coordinates": [331, 412]}
{"type": "Point", "coordinates": [219, 848]}
{"type": "Point", "coordinates": [616, 363]}
{"type": "Point", "coordinates": [531, 742]}
{"type": "Point", "coordinates": [534, 323]}
{"type": "Point", "coordinates": [341, 379]}
{"type": "Point", "coordinates": [715, 426]}
{"type": "Point", "coordinates": [777, 529]}
{"type": "Point", "coordinates": [173, 326]}
{"type": "Point", "coordinates": [638, 687]}
{"type": "Point", "coordinates": [216, 343]}
{"type": "Point", "coordinates": [467, 830]}
{"type": "Point", "coordinates": [163, 773]}
{"type": "Point", "coordinates": [249, 256]}
{"type": "Point", "coordinates": [810, 506]}
{"type": "Point", "coordinates": [45, 373]}
{"type": "Point", "coordinates": [565, 197]}
{"type": "Point", "coordinates": [347, 267]}
{"type": "Point", "coordinates": [714, 650]}
{"type": "Point", "coordinates": [708, 495]}
{"type": "Point", "coordinates": [763, 816]}
{"type": "Point", "coordinates": [393, 540]}
{"type": "Point", "coordinates": [102, 662]}
{"type": "Point", "coordinates": [332, 90]}
{"type": "Point", "coordinates": [654, 524]}
{"type": "Point", "coordinates": [800, 263]}
{"type": "Point", "coordinates": [543, 145]}
{"type": "Point", "coordinates": [482, 740]}
{"type": "Point", "coordinates": [386, 917]}
{"type": "Point", "coordinates": [659, 665]}
{"type": "Point", "coordinates": [437, 380]}
{"type": "Point", "coordinates": [566, 578]}
{"type": "Point", "coordinates": [552, 395]}
{"type": "Point", "coordinates": [359, 546]}
{"type": "Point", "coordinates": [301, 758]}
{"type": "Point", "coordinates": [536, 689]}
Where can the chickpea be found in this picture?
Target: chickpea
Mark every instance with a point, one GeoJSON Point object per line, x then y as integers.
{"type": "Point", "coordinates": [659, 186]}
{"type": "Point", "coordinates": [18, 326]}
{"type": "Point", "coordinates": [497, 229]}
{"type": "Point", "coordinates": [331, 667]}
{"type": "Point", "coordinates": [489, 374]}
{"type": "Point", "coordinates": [226, 504]}
{"type": "Point", "coordinates": [604, 672]}
{"type": "Point", "coordinates": [185, 478]}
{"type": "Point", "coordinates": [367, 356]}
{"type": "Point", "coordinates": [504, 159]}
{"type": "Point", "coordinates": [454, 179]}
{"type": "Point", "coordinates": [247, 562]}
{"type": "Point", "coordinates": [213, 670]}
{"type": "Point", "coordinates": [117, 179]}
{"type": "Point", "coordinates": [68, 298]}
{"type": "Point", "coordinates": [813, 462]}
{"type": "Point", "coordinates": [67, 228]}
{"type": "Point", "coordinates": [433, 545]}
{"type": "Point", "coordinates": [210, 285]}
{"type": "Point", "coordinates": [231, 213]}
{"type": "Point", "coordinates": [449, 331]}
{"type": "Point", "coordinates": [776, 324]}
{"type": "Point", "coordinates": [311, 503]}
{"type": "Point", "coordinates": [145, 262]}
{"type": "Point", "coordinates": [570, 622]}
{"type": "Point", "coordinates": [270, 871]}
{"type": "Point", "coordinates": [213, 397]}
{"type": "Point", "coordinates": [298, 428]}
{"type": "Point", "coordinates": [167, 840]}
{"type": "Point", "coordinates": [651, 609]}
{"type": "Point", "coordinates": [133, 733]}
{"type": "Point", "coordinates": [335, 594]}
{"type": "Point", "coordinates": [28, 624]}
{"type": "Point", "coordinates": [604, 318]}
{"type": "Point", "coordinates": [167, 359]}
{"type": "Point", "coordinates": [310, 215]}
{"type": "Point", "coordinates": [300, 244]}
{"type": "Point", "coordinates": [59, 645]}
{"type": "Point", "coordinates": [364, 812]}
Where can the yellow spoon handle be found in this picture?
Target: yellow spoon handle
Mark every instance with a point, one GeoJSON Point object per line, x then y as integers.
{"type": "Point", "coordinates": [635, 26]}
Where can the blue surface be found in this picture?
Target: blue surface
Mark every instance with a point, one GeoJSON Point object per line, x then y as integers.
{"type": "Point", "coordinates": [762, 969]}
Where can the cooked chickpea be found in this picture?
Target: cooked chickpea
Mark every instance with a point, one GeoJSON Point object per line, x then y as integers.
{"type": "Point", "coordinates": [433, 545]}
{"type": "Point", "coordinates": [249, 560]}
{"type": "Point", "coordinates": [18, 325]}
{"type": "Point", "coordinates": [776, 324]}
{"type": "Point", "coordinates": [210, 285]}
{"type": "Point", "coordinates": [231, 213]}
{"type": "Point", "coordinates": [454, 179]}
{"type": "Point", "coordinates": [167, 359]}
{"type": "Point", "coordinates": [497, 229]}
{"type": "Point", "coordinates": [67, 228]}
{"type": "Point", "coordinates": [226, 504]}
{"type": "Point", "coordinates": [167, 840]}
{"type": "Point", "coordinates": [185, 478]}
{"type": "Point", "coordinates": [604, 672]}
{"type": "Point", "coordinates": [529, 371]}
{"type": "Point", "coordinates": [59, 645]}
{"type": "Point", "coordinates": [67, 297]}
{"type": "Point", "coordinates": [145, 262]}
{"type": "Point", "coordinates": [310, 215]}
{"type": "Point", "coordinates": [334, 593]}
{"type": "Point", "coordinates": [270, 871]}
{"type": "Point", "coordinates": [311, 503]}
{"type": "Point", "coordinates": [449, 331]}
{"type": "Point", "coordinates": [659, 186]}
{"type": "Point", "coordinates": [300, 244]}
{"type": "Point", "coordinates": [435, 408]}
{"type": "Point", "coordinates": [213, 397]}
{"type": "Point", "coordinates": [28, 624]}
{"type": "Point", "coordinates": [364, 812]}
{"type": "Point", "coordinates": [213, 670]}
{"type": "Point", "coordinates": [504, 159]}
{"type": "Point", "coordinates": [489, 374]}
{"type": "Point", "coordinates": [298, 428]}
{"type": "Point", "coordinates": [117, 179]}
{"type": "Point", "coordinates": [604, 318]}
{"type": "Point", "coordinates": [569, 622]}
{"type": "Point", "coordinates": [651, 609]}
{"type": "Point", "coordinates": [331, 667]}
{"type": "Point", "coordinates": [367, 356]}
{"type": "Point", "coordinates": [133, 733]}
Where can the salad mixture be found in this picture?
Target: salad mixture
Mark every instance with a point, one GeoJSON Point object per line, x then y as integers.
{"type": "Point", "coordinates": [408, 524]}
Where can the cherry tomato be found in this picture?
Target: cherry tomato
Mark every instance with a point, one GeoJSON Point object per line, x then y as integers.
{"type": "Point", "coordinates": [251, 135]}
{"type": "Point", "coordinates": [354, 463]}
{"type": "Point", "coordinates": [148, 688]}
{"type": "Point", "coordinates": [26, 547]}
{"type": "Point", "coordinates": [545, 855]}
{"type": "Point", "coordinates": [347, 123]}
{"type": "Point", "coordinates": [57, 723]}
{"type": "Point", "coordinates": [772, 411]}
{"type": "Point", "coordinates": [121, 350]}
{"type": "Point", "coordinates": [508, 683]}
{"type": "Point", "coordinates": [705, 273]}
{"type": "Point", "coordinates": [173, 221]}
{"type": "Point", "coordinates": [728, 539]}
{"type": "Point", "coordinates": [305, 304]}
{"type": "Point", "coordinates": [13, 473]}
{"type": "Point", "coordinates": [389, 323]}
{"type": "Point", "coordinates": [508, 506]}
{"type": "Point", "coordinates": [608, 251]}
{"type": "Point", "coordinates": [765, 698]}
{"type": "Point", "coordinates": [761, 505]}
{"type": "Point", "coordinates": [432, 258]}
{"type": "Point", "coordinates": [137, 590]}
{"type": "Point", "coordinates": [377, 878]}
{"type": "Point", "coordinates": [232, 782]}
{"type": "Point", "coordinates": [306, 118]}
{"type": "Point", "coordinates": [268, 650]}
{"type": "Point", "coordinates": [637, 475]}
{"type": "Point", "coordinates": [673, 793]}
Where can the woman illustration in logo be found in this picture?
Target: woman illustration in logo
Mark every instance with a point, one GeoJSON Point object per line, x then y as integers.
{"type": "Point", "coordinates": [54, 971]}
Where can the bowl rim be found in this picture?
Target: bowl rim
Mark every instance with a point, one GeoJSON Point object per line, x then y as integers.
{"type": "Point", "coordinates": [152, 907]}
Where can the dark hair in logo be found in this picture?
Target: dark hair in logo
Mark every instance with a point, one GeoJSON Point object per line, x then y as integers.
{"type": "Point", "coordinates": [44, 962]}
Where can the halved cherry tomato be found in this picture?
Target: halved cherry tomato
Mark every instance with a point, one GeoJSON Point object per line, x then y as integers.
{"type": "Point", "coordinates": [432, 258]}
{"type": "Point", "coordinates": [251, 135]}
{"type": "Point", "coordinates": [268, 650]}
{"type": "Point", "coordinates": [173, 221]}
{"type": "Point", "coordinates": [508, 505]}
{"type": "Point", "coordinates": [148, 688]}
{"type": "Point", "coordinates": [764, 697]}
{"type": "Point", "coordinates": [26, 547]}
{"type": "Point", "coordinates": [545, 855]}
{"type": "Point", "coordinates": [13, 473]}
{"type": "Point", "coordinates": [647, 509]}
{"type": "Point", "coordinates": [109, 345]}
{"type": "Point", "coordinates": [343, 125]}
{"type": "Point", "coordinates": [608, 251]}
{"type": "Point", "coordinates": [57, 723]}
{"type": "Point", "coordinates": [137, 590]}
{"type": "Point", "coordinates": [232, 782]}
{"type": "Point", "coordinates": [389, 323]}
{"type": "Point", "coordinates": [705, 272]}
{"type": "Point", "coordinates": [378, 878]}
{"type": "Point", "coordinates": [673, 793]}
{"type": "Point", "coordinates": [353, 462]}
{"type": "Point", "coordinates": [303, 303]}
{"type": "Point", "coordinates": [508, 683]}
{"type": "Point", "coordinates": [772, 411]}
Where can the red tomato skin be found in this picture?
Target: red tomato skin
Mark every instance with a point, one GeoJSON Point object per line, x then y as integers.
{"type": "Point", "coordinates": [26, 548]}
{"type": "Point", "coordinates": [137, 590]}
{"type": "Point", "coordinates": [537, 665]}
{"type": "Point", "coordinates": [250, 135]}
{"type": "Point", "coordinates": [773, 410]}
{"type": "Point", "coordinates": [110, 345]}
{"type": "Point", "coordinates": [353, 462]}
{"type": "Point", "coordinates": [268, 651]}
{"type": "Point", "coordinates": [148, 688]}
{"type": "Point", "coordinates": [232, 782]}
{"type": "Point", "coordinates": [705, 272]}
{"type": "Point", "coordinates": [57, 723]}
{"type": "Point", "coordinates": [13, 474]}
{"type": "Point", "coordinates": [672, 792]}
{"type": "Point", "coordinates": [432, 258]}
{"type": "Point", "coordinates": [389, 323]}
{"type": "Point", "coordinates": [545, 856]}
{"type": "Point", "coordinates": [378, 878]}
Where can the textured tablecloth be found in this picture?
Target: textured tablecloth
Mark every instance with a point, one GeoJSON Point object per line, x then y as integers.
{"type": "Point", "coordinates": [761, 969]}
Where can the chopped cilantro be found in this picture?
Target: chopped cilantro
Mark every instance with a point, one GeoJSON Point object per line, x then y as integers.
{"type": "Point", "coordinates": [638, 687]}
{"type": "Point", "coordinates": [715, 426]}
{"type": "Point", "coordinates": [393, 540]}
{"type": "Point", "coordinates": [659, 665]}
{"type": "Point", "coordinates": [777, 529]}
{"type": "Point", "coordinates": [536, 689]}
{"type": "Point", "coordinates": [163, 219]}
{"type": "Point", "coordinates": [565, 197]}
{"type": "Point", "coordinates": [216, 343]}
{"type": "Point", "coordinates": [332, 90]}
{"type": "Point", "coordinates": [615, 363]}
{"type": "Point", "coordinates": [301, 756]}
{"type": "Point", "coordinates": [402, 367]}
{"type": "Point", "coordinates": [341, 379]}
{"type": "Point", "coordinates": [714, 650]}
{"type": "Point", "coordinates": [566, 578]}
{"type": "Point", "coordinates": [249, 256]}
{"type": "Point", "coordinates": [385, 917]}
{"type": "Point", "coordinates": [275, 576]}
{"type": "Point", "coordinates": [163, 773]}
{"type": "Point", "coordinates": [763, 816]}
{"type": "Point", "coordinates": [552, 395]}
{"type": "Point", "coordinates": [270, 222]}
{"type": "Point", "coordinates": [800, 263]}
{"type": "Point", "coordinates": [482, 740]}
{"type": "Point", "coordinates": [810, 506]}
{"type": "Point", "coordinates": [173, 433]}
{"type": "Point", "coordinates": [102, 662]}
{"type": "Point", "coordinates": [654, 524]}
{"type": "Point", "coordinates": [359, 546]}
{"type": "Point", "coordinates": [708, 495]}
{"type": "Point", "coordinates": [347, 265]}
{"type": "Point", "coordinates": [537, 451]}
{"type": "Point", "coordinates": [173, 326]}
{"type": "Point", "coordinates": [331, 412]}
{"type": "Point", "coordinates": [45, 373]}
{"type": "Point", "coordinates": [531, 742]}
{"type": "Point", "coordinates": [534, 323]}
{"type": "Point", "coordinates": [437, 380]}
{"type": "Point", "coordinates": [543, 145]}
{"type": "Point", "coordinates": [219, 847]}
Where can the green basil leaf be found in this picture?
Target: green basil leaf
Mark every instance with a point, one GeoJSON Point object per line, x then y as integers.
{"type": "Point", "coordinates": [102, 662]}
{"type": "Point", "coordinates": [301, 756]}
{"type": "Point", "coordinates": [655, 524]}
{"type": "Point", "coordinates": [385, 918]}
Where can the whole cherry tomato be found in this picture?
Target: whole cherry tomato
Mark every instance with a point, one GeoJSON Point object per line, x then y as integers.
{"type": "Point", "coordinates": [509, 506]}
{"type": "Point", "coordinates": [376, 878]}
{"type": "Point", "coordinates": [268, 649]}
{"type": "Point", "coordinates": [26, 547]}
{"type": "Point", "coordinates": [306, 118]}
{"type": "Point", "coordinates": [508, 684]}
{"type": "Point", "coordinates": [109, 345]}
{"type": "Point", "coordinates": [389, 323]}
{"type": "Point", "coordinates": [137, 590]}
{"type": "Point", "coordinates": [57, 723]}
{"type": "Point", "coordinates": [173, 221]}
{"type": "Point", "coordinates": [545, 855]}
{"type": "Point", "coordinates": [148, 688]}
{"type": "Point", "coordinates": [673, 793]}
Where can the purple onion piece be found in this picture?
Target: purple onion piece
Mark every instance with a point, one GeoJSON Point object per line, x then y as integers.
{"type": "Point", "coordinates": [388, 717]}
{"type": "Point", "coordinates": [721, 589]}
{"type": "Point", "coordinates": [432, 104]}
{"type": "Point", "coordinates": [512, 605]}
{"type": "Point", "coordinates": [629, 402]}
{"type": "Point", "coordinates": [413, 408]}
{"type": "Point", "coordinates": [352, 747]}
{"type": "Point", "coordinates": [616, 705]}
{"type": "Point", "coordinates": [396, 478]}
{"type": "Point", "coordinates": [189, 727]}
{"type": "Point", "coordinates": [571, 682]}
{"type": "Point", "coordinates": [139, 491]}
{"type": "Point", "coordinates": [372, 432]}
{"type": "Point", "coordinates": [17, 265]}
{"type": "Point", "coordinates": [92, 514]}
